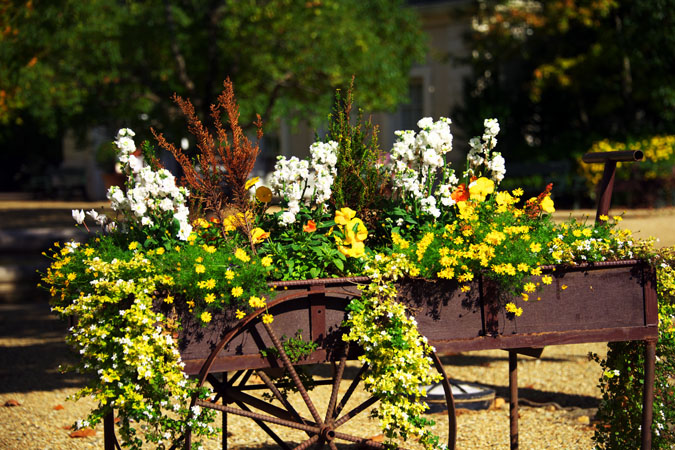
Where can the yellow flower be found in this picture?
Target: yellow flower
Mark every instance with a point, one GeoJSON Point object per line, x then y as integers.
{"type": "Point", "coordinates": [210, 283]}
{"type": "Point", "coordinates": [199, 259]}
{"type": "Point", "coordinates": [241, 255]}
{"type": "Point", "coordinates": [199, 268]}
{"type": "Point", "coordinates": [535, 247]}
{"type": "Point", "coordinates": [465, 288]}
{"type": "Point", "coordinates": [71, 276]}
{"type": "Point", "coordinates": [546, 279]}
{"type": "Point", "coordinates": [525, 296]}
{"type": "Point", "coordinates": [201, 223]}
{"type": "Point", "coordinates": [239, 314]}
{"type": "Point", "coordinates": [563, 287]}
{"type": "Point", "coordinates": [168, 299]}
{"type": "Point", "coordinates": [251, 182]}
{"type": "Point", "coordinates": [617, 218]}
{"type": "Point", "coordinates": [237, 291]}
{"type": "Point", "coordinates": [518, 192]}
{"type": "Point", "coordinates": [88, 251]}
{"type": "Point", "coordinates": [209, 248]}
{"type": "Point", "coordinates": [480, 188]}
{"type": "Point", "coordinates": [547, 205]}
{"type": "Point", "coordinates": [160, 251]}
{"type": "Point", "coordinates": [603, 218]}
{"type": "Point", "coordinates": [344, 215]}
{"type": "Point", "coordinates": [259, 235]}
{"type": "Point", "coordinates": [256, 302]}
{"type": "Point", "coordinates": [206, 317]}
{"type": "Point", "coordinates": [266, 261]}
{"type": "Point", "coordinates": [267, 318]}
{"type": "Point", "coordinates": [536, 271]}
{"type": "Point", "coordinates": [210, 298]}
{"type": "Point", "coordinates": [529, 287]}
{"type": "Point", "coordinates": [229, 274]}
{"type": "Point", "coordinates": [133, 245]}
{"type": "Point", "coordinates": [355, 230]}
{"type": "Point", "coordinates": [512, 308]}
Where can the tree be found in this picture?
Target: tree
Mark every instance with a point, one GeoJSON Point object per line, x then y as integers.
{"type": "Point", "coordinates": [69, 63]}
{"type": "Point", "coordinates": [562, 73]}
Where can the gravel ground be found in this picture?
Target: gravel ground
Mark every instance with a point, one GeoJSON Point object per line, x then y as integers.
{"type": "Point", "coordinates": [31, 349]}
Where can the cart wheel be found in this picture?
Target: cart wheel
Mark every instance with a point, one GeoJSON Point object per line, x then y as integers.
{"type": "Point", "coordinates": [300, 423]}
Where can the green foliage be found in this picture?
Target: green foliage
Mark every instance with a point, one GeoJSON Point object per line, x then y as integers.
{"type": "Point", "coordinates": [620, 411]}
{"type": "Point", "coordinates": [360, 181]}
{"type": "Point", "coordinates": [73, 63]}
{"type": "Point", "coordinates": [560, 74]}
{"type": "Point", "coordinates": [308, 249]}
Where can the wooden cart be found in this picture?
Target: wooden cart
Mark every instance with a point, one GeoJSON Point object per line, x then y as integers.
{"type": "Point", "coordinates": [600, 302]}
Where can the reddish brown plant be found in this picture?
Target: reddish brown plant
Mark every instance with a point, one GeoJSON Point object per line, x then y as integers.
{"type": "Point", "coordinates": [221, 164]}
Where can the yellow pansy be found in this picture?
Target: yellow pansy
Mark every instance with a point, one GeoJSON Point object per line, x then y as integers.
{"type": "Point", "coordinates": [480, 188]}
{"type": "Point", "coordinates": [344, 215]}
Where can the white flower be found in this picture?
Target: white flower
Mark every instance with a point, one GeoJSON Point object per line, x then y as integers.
{"type": "Point", "coordinates": [78, 216]}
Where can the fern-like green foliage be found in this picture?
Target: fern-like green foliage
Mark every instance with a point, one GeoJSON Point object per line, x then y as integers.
{"type": "Point", "coordinates": [360, 182]}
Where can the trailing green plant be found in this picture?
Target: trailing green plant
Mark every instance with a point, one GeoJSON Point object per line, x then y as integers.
{"type": "Point", "coordinates": [621, 384]}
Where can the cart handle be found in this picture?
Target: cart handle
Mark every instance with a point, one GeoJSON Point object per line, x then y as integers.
{"type": "Point", "coordinates": [607, 183]}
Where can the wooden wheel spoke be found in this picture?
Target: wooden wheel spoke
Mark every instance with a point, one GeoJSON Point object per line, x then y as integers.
{"type": "Point", "coordinates": [278, 395]}
{"type": "Point", "coordinates": [236, 395]}
{"type": "Point", "coordinates": [356, 411]}
{"type": "Point", "coordinates": [263, 426]}
{"type": "Point", "coordinates": [307, 443]}
{"type": "Point", "coordinates": [262, 417]}
{"type": "Point", "coordinates": [330, 411]}
{"type": "Point", "coordinates": [293, 374]}
{"type": "Point", "coordinates": [332, 446]}
{"type": "Point", "coordinates": [345, 398]}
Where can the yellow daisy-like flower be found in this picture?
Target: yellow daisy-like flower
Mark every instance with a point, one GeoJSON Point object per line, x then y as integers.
{"type": "Point", "coordinates": [267, 318]}
{"type": "Point", "coordinates": [536, 271]}
{"type": "Point", "coordinates": [239, 314]}
{"type": "Point", "coordinates": [529, 287]}
{"type": "Point", "coordinates": [199, 259]}
{"type": "Point", "coordinates": [169, 299]}
{"type": "Point", "coordinates": [210, 283]}
{"type": "Point", "coordinates": [465, 288]}
{"type": "Point", "coordinates": [617, 218]}
{"type": "Point", "coordinates": [535, 247]}
{"type": "Point", "coordinates": [512, 308]}
{"type": "Point", "coordinates": [160, 251]}
{"type": "Point", "coordinates": [237, 291]}
{"type": "Point", "coordinates": [241, 255]}
{"type": "Point", "coordinates": [71, 276]}
{"type": "Point", "coordinates": [88, 251]}
{"type": "Point", "coordinates": [229, 274]}
{"type": "Point", "coordinates": [563, 287]}
{"type": "Point", "coordinates": [266, 261]}
{"type": "Point", "coordinates": [210, 298]}
{"type": "Point", "coordinates": [206, 317]}
{"type": "Point", "coordinates": [209, 248]}
{"type": "Point", "coordinates": [525, 296]}
{"type": "Point", "coordinates": [200, 268]}
{"type": "Point", "coordinates": [133, 245]}
{"type": "Point", "coordinates": [547, 279]}
{"type": "Point", "coordinates": [603, 218]}
{"type": "Point", "coordinates": [256, 302]}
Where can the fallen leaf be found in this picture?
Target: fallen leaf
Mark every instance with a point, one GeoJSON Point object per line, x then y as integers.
{"type": "Point", "coordinates": [378, 438]}
{"type": "Point", "coordinates": [498, 403]}
{"type": "Point", "coordinates": [12, 402]}
{"type": "Point", "coordinates": [585, 420]}
{"type": "Point", "coordinates": [84, 432]}
{"type": "Point", "coordinates": [58, 408]}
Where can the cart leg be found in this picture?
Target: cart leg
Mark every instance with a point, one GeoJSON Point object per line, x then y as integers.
{"type": "Point", "coordinates": [513, 398]}
{"type": "Point", "coordinates": [648, 394]}
{"type": "Point", "coordinates": [224, 418]}
{"type": "Point", "coordinates": [109, 431]}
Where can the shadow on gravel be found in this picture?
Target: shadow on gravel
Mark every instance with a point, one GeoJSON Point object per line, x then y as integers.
{"type": "Point", "coordinates": [32, 348]}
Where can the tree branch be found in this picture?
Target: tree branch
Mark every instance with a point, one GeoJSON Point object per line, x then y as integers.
{"type": "Point", "coordinates": [177, 55]}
